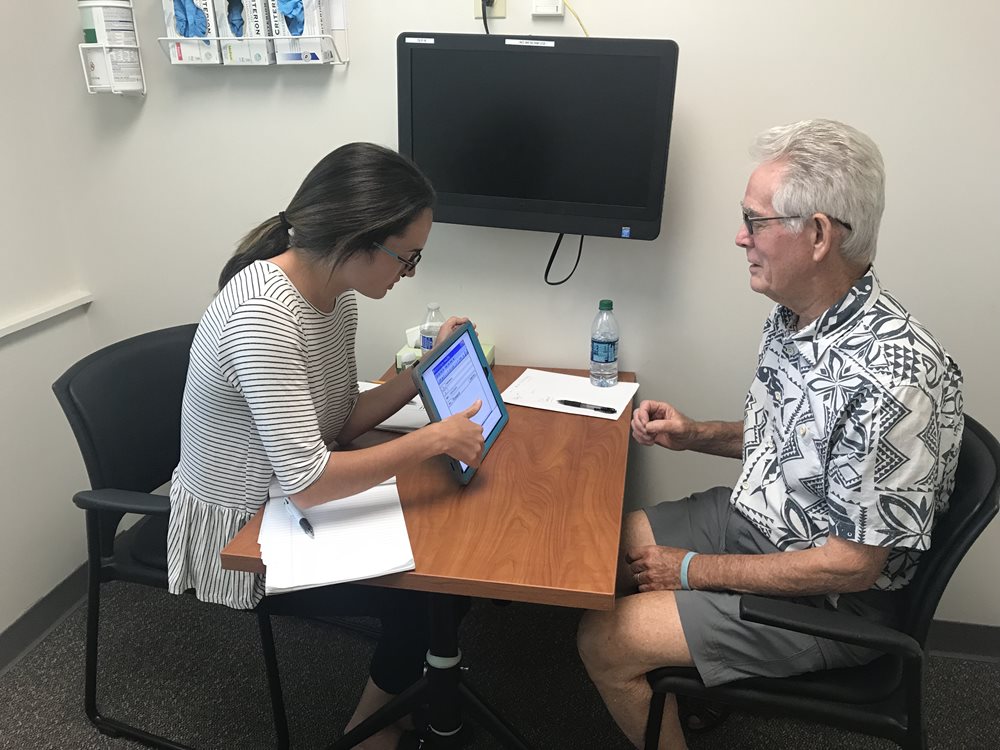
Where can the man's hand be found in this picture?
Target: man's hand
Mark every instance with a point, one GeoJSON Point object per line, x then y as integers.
{"type": "Point", "coordinates": [461, 438]}
{"type": "Point", "coordinates": [657, 422]}
{"type": "Point", "coordinates": [656, 568]}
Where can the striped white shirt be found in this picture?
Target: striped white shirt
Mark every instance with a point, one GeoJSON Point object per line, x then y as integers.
{"type": "Point", "coordinates": [271, 382]}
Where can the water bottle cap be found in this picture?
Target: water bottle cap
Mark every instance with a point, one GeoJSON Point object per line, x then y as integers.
{"type": "Point", "coordinates": [606, 304]}
{"type": "Point", "coordinates": [433, 306]}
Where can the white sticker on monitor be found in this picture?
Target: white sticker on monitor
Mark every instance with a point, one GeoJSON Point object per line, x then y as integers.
{"type": "Point", "coordinates": [530, 42]}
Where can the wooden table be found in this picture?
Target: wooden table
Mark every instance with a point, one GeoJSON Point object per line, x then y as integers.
{"type": "Point", "coordinates": [539, 523]}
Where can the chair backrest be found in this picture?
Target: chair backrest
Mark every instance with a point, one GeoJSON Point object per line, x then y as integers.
{"type": "Point", "coordinates": [124, 405]}
{"type": "Point", "coordinates": [972, 506]}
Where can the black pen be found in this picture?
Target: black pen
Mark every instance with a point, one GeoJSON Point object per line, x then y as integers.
{"type": "Point", "coordinates": [595, 407]}
{"type": "Point", "coordinates": [296, 515]}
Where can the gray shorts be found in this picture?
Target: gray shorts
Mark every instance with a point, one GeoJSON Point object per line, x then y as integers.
{"type": "Point", "coordinates": [723, 646]}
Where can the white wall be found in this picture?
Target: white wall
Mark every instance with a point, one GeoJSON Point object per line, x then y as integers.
{"type": "Point", "coordinates": [44, 244]}
{"type": "Point", "coordinates": [140, 202]}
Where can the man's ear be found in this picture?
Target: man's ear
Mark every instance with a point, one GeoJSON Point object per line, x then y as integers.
{"type": "Point", "coordinates": [821, 234]}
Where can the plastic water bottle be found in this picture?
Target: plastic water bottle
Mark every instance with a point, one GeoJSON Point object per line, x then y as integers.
{"type": "Point", "coordinates": [604, 346]}
{"type": "Point", "coordinates": [430, 327]}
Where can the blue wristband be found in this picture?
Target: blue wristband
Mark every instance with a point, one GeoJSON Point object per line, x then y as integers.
{"type": "Point", "coordinates": [684, 570]}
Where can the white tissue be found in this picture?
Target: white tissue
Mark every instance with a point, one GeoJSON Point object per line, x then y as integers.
{"type": "Point", "coordinates": [413, 336]}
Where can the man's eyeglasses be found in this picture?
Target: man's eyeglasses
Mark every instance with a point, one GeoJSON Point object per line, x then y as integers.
{"type": "Point", "coordinates": [749, 221]}
{"type": "Point", "coordinates": [408, 264]}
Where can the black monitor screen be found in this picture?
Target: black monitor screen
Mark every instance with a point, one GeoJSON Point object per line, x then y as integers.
{"type": "Point", "coordinates": [566, 135]}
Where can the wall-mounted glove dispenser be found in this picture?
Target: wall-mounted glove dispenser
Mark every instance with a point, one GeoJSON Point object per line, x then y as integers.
{"type": "Point", "coordinates": [256, 32]}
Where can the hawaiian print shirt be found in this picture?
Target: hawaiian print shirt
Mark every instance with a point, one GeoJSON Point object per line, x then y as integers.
{"type": "Point", "coordinates": [852, 427]}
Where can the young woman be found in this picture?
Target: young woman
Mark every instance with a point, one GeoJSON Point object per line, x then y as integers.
{"type": "Point", "coordinates": [272, 387]}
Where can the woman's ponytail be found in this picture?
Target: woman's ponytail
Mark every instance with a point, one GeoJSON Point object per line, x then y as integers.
{"type": "Point", "coordinates": [268, 240]}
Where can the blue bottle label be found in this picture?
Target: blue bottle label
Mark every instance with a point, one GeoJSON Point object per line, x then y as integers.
{"type": "Point", "coordinates": [426, 343]}
{"type": "Point", "coordinates": [603, 351]}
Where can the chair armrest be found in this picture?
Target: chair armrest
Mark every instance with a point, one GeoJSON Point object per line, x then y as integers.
{"type": "Point", "coordinates": [123, 501]}
{"type": "Point", "coordinates": [837, 626]}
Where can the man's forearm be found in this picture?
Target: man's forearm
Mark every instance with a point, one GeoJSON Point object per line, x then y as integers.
{"type": "Point", "coordinates": [797, 573]}
{"type": "Point", "coordinates": [718, 439]}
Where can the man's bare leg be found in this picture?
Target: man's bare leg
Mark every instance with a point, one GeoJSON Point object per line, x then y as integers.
{"type": "Point", "coordinates": [636, 532]}
{"type": "Point", "coordinates": [618, 648]}
{"type": "Point", "coordinates": [642, 633]}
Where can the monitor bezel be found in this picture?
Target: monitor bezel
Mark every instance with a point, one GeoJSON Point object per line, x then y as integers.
{"type": "Point", "coordinates": [544, 215]}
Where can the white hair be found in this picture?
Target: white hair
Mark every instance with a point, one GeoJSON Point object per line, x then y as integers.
{"type": "Point", "coordinates": [833, 169]}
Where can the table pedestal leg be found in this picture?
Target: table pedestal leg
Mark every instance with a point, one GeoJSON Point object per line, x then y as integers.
{"type": "Point", "coordinates": [441, 688]}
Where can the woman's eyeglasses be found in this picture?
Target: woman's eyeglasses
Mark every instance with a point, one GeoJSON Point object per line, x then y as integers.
{"type": "Point", "coordinates": [409, 264]}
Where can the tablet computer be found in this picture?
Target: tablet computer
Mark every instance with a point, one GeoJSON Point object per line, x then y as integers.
{"type": "Point", "coordinates": [453, 377]}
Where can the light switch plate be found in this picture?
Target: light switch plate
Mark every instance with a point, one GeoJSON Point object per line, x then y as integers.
{"type": "Point", "coordinates": [547, 8]}
{"type": "Point", "coordinates": [497, 10]}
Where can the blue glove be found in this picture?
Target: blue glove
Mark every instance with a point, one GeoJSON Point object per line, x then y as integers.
{"type": "Point", "coordinates": [189, 18]}
{"type": "Point", "coordinates": [236, 17]}
{"type": "Point", "coordinates": [294, 15]}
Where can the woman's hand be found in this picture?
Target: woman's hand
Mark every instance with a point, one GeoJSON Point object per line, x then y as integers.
{"type": "Point", "coordinates": [461, 438]}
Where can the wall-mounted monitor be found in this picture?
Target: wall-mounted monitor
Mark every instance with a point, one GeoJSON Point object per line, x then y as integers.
{"type": "Point", "coordinates": [554, 134]}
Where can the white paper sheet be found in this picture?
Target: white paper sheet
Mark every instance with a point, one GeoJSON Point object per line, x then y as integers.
{"type": "Point", "coordinates": [411, 417]}
{"type": "Point", "coordinates": [543, 390]}
{"type": "Point", "coordinates": [357, 537]}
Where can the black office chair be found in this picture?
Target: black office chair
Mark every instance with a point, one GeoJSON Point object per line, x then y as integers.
{"type": "Point", "coordinates": [885, 697]}
{"type": "Point", "coordinates": [124, 405]}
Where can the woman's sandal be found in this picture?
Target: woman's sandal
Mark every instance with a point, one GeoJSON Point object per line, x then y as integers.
{"type": "Point", "coordinates": [698, 715]}
{"type": "Point", "coordinates": [409, 740]}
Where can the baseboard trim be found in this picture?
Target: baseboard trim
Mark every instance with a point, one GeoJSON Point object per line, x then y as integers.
{"type": "Point", "coordinates": [962, 640]}
{"type": "Point", "coordinates": [25, 633]}
{"type": "Point", "coordinates": [957, 640]}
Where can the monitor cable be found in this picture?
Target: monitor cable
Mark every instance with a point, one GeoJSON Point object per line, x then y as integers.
{"type": "Point", "coordinates": [486, 24]}
{"type": "Point", "coordinates": [552, 257]}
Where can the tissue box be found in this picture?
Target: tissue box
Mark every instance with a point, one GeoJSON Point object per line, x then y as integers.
{"type": "Point", "coordinates": [409, 354]}
{"type": "Point", "coordinates": [404, 354]}
{"type": "Point", "coordinates": [407, 351]}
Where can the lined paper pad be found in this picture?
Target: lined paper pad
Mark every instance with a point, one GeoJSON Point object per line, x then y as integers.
{"type": "Point", "coordinates": [540, 389]}
{"type": "Point", "coordinates": [411, 417]}
{"type": "Point", "coordinates": [357, 537]}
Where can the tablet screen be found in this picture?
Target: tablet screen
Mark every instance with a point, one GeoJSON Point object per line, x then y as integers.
{"type": "Point", "coordinates": [456, 379]}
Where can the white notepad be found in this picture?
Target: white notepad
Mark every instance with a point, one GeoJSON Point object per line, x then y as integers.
{"type": "Point", "coordinates": [411, 417]}
{"type": "Point", "coordinates": [357, 537]}
{"type": "Point", "coordinates": [541, 389]}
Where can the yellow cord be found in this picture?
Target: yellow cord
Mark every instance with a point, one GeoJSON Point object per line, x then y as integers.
{"type": "Point", "coordinates": [570, 9]}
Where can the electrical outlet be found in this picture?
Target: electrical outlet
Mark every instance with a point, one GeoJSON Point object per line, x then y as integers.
{"type": "Point", "coordinates": [547, 8]}
{"type": "Point", "coordinates": [497, 10]}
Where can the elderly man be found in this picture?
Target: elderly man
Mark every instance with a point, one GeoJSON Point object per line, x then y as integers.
{"type": "Point", "coordinates": [849, 444]}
